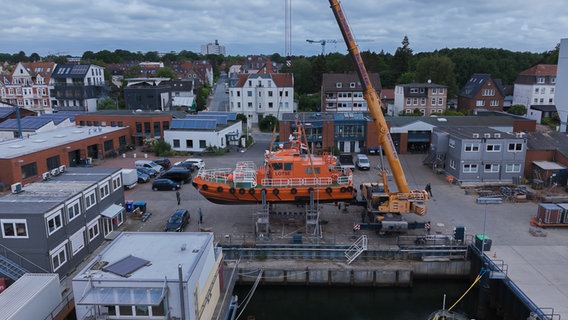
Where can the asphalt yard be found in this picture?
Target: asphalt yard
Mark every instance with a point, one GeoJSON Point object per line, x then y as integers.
{"type": "Point", "coordinates": [536, 261]}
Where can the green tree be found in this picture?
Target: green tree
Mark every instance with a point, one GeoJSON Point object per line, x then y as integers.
{"type": "Point", "coordinates": [402, 58]}
{"type": "Point", "coordinates": [242, 117]}
{"type": "Point", "coordinates": [268, 123]}
{"type": "Point", "coordinates": [407, 77]}
{"type": "Point", "coordinates": [517, 109]}
{"type": "Point", "coordinates": [303, 78]}
{"type": "Point", "coordinates": [201, 98]}
{"type": "Point", "coordinates": [165, 73]}
{"type": "Point", "coordinates": [107, 104]}
{"type": "Point", "coordinates": [439, 70]}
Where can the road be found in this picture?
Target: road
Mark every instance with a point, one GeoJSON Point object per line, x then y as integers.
{"type": "Point", "coordinates": [219, 99]}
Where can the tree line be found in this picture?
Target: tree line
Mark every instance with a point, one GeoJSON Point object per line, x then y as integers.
{"type": "Point", "coordinates": [450, 67]}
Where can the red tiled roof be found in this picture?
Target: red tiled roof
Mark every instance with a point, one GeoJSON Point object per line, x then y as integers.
{"type": "Point", "coordinates": [541, 69]}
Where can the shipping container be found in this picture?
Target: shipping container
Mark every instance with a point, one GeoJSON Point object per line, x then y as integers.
{"type": "Point", "coordinates": [32, 296]}
{"type": "Point", "coordinates": [564, 207]}
{"type": "Point", "coordinates": [549, 213]}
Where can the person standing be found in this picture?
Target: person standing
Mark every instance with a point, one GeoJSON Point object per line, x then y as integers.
{"type": "Point", "coordinates": [178, 197]}
{"type": "Point", "coordinates": [429, 189]}
{"type": "Point", "coordinates": [200, 216]}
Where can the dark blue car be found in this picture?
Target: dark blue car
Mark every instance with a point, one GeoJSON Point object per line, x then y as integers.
{"type": "Point", "coordinates": [178, 220]}
{"type": "Point", "coordinates": [165, 184]}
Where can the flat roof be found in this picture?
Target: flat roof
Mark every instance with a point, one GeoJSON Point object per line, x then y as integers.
{"type": "Point", "coordinates": [32, 143]}
{"type": "Point", "coordinates": [39, 197]}
{"type": "Point", "coordinates": [19, 294]}
{"type": "Point", "coordinates": [168, 250]}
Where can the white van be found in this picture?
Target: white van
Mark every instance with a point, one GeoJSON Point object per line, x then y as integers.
{"type": "Point", "coordinates": [148, 164]}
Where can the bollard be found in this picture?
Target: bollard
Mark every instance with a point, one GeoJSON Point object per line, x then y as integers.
{"type": "Point", "coordinates": [123, 155]}
{"type": "Point", "coordinates": [134, 155]}
{"type": "Point", "coordinates": [146, 155]}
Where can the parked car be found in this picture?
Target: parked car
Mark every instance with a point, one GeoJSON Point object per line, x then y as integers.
{"type": "Point", "coordinates": [165, 184]}
{"type": "Point", "coordinates": [362, 162]}
{"type": "Point", "coordinates": [346, 161]}
{"type": "Point", "coordinates": [142, 177]}
{"type": "Point", "coordinates": [178, 220]}
{"type": "Point", "coordinates": [165, 163]}
{"type": "Point", "coordinates": [150, 172]}
{"type": "Point", "coordinates": [178, 174]}
{"type": "Point", "coordinates": [187, 165]}
{"type": "Point", "coordinates": [148, 164]}
{"type": "Point", "coordinates": [196, 162]}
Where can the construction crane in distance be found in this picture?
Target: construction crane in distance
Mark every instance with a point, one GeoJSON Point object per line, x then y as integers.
{"type": "Point", "coordinates": [322, 42]}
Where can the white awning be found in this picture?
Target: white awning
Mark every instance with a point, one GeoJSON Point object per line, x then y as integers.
{"type": "Point", "coordinates": [549, 165]}
{"type": "Point", "coordinates": [112, 211]}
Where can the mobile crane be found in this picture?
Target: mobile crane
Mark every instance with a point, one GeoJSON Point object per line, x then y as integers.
{"type": "Point", "coordinates": [381, 203]}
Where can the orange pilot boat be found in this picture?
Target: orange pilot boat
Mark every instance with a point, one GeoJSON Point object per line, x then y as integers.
{"type": "Point", "coordinates": [289, 174]}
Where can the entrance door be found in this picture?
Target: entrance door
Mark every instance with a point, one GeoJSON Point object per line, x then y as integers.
{"type": "Point", "coordinates": [107, 226]}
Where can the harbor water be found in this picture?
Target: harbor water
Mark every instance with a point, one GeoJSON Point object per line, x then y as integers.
{"type": "Point", "coordinates": [355, 303]}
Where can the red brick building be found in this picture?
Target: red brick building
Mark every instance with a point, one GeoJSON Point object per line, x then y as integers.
{"type": "Point", "coordinates": [26, 160]}
{"type": "Point", "coordinates": [482, 92]}
{"type": "Point", "coordinates": [141, 125]}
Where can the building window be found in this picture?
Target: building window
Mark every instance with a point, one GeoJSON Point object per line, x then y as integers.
{"type": "Point", "coordinates": [189, 143]}
{"type": "Point", "coordinates": [422, 101]}
{"type": "Point", "coordinates": [58, 256]}
{"type": "Point", "coordinates": [52, 162]}
{"type": "Point", "coordinates": [493, 148]}
{"type": "Point", "coordinates": [452, 143]}
{"type": "Point", "coordinates": [515, 147]}
{"type": "Point", "coordinates": [494, 103]}
{"type": "Point", "coordinates": [116, 183]}
{"type": "Point", "coordinates": [176, 143]}
{"type": "Point", "coordinates": [93, 229]}
{"type": "Point", "coordinates": [488, 92]}
{"type": "Point", "coordinates": [249, 93]}
{"type": "Point", "coordinates": [104, 190]}
{"type": "Point", "coordinates": [552, 79]}
{"type": "Point", "coordinates": [480, 103]}
{"type": "Point", "coordinates": [77, 241]}
{"type": "Point", "coordinates": [54, 222]}
{"type": "Point", "coordinates": [109, 145]}
{"type": "Point", "coordinates": [433, 101]}
{"type": "Point", "coordinates": [337, 85]}
{"type": "Point", "coordinates": [270, 93]}
{"type": "Point", "coordinates": [249, 105]}
{"type": "Point", "coordinates": [440, 90]}
{"type": "Point", "coordinates": [540, 80]}
{"type": "Point", "coordinates": [74, 210]}
{"type": "Point", "coordinates": [452, 164]}
{"type": "Point", "coordinates": [434, 90]}
{"type": "Point", "coordinates": [491, 167]}
{"type": "Point", "coordinates": [413, 90]}
{"type": "Point", "coordinates": [202, 144]}
{"type": "Point", "coordinates": [14, 228]}
{"type": "Point", "coordinates": [470, 168]}
{"type": "Point", "coordinates": [440, 101]}
{"type": "Point", "coordinates": [415, 101]}
{"type": "Point", "coordinates": [122, 141]}
{"type": "Point", "coordinates": [90, 199]}
{"type": "Point", "coordinates": [407, 101]}
{"type": "Point", "coordinates": [513, 167]}
{"type": "Point", "coordinates": [471, 147]}
{"type": "Point", "coordinates": [29, 170]}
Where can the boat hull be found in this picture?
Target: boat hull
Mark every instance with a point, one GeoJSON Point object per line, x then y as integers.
{"type": "Point", "coordinates": [224, 194]}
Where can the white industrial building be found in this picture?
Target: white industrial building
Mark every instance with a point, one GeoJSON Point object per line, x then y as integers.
{"type": "Point", "coordinates": [32, 296]}
{"type": "Point", "coordinates": [206, 129]}
{"type": "Point", "coordinates": [152, 275]}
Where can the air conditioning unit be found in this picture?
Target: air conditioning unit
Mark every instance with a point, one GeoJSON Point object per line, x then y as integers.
{"type": "Point", "coordinates": [55, 172]}
{"type": "Point", "coordinates": [62, 168]}
{"type": "Point", "coordinates": [45, 176]}
{"type": "Point", "coordinates": [17, 187]}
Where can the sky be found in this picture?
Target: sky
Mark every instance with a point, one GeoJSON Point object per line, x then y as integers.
{"type": "Point", "coordinates": [71, 27]}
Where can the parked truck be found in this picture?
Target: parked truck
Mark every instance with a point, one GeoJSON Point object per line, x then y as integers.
{"type": "Point", "coordinates": [346, 161]}
{"type": "Point", "coordinates": [129, 178]}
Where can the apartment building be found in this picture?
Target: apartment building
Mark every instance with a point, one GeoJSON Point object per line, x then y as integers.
{"type": "Point", "coordinates": [343, 92]}
{"type": "Point", "coordinates": [29, 86]}
{"type": "Point", "coordinates": [425, 98]}
{"type": "Point", "coordinates": [78, 87]}
{"type": "Point", "coordinates": [481, 92]}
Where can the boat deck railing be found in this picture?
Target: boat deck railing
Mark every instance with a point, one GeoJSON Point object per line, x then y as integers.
{"type": "Point", "coordinates": [291, 182]}
{"type": "Point", "coordinates": [215, 175]}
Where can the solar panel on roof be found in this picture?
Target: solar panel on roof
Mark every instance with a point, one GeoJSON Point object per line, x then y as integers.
{"type": "Point", "coordinates": [5, 111]}
{"type": "Point", "coordinates": [126, 266]}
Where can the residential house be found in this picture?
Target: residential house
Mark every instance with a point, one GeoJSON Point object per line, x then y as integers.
{"type": "Point", "coordinates": [182, 94]}
{"type": "Point", "coordinates": [480, 154]}
{"type": "Point", "coordinates": [78, 87]}
{"type": "Point", "coordinates": [387, 98]}
{"type": "Point", "coordinates": [65, 218]}
{"type": "Point", "coordinates": [195, 133]}
{"type": "Point", "coordinates": [178, 276]}
{"type": "Point", "coordinates": [262, 93]}
{"type": "Point", "coordinates": [535, 89]}
{"type": "Point", "coordinates": [29, 86]}
{"type": "Point", "coordinates": [148, 94]}
{"type": "Point", "coordinates": [481, 92]}
{"type": "Point", "coordinates": [427, 98]}
{"type": "Point", "coordinates": [343, 92]}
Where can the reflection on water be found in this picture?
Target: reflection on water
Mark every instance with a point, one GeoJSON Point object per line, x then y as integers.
{"type": "Point", "coordinates": [295, 302]}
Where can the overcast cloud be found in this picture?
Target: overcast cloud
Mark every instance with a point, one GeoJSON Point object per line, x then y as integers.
{"type": "Point", "coordinates": [258, 26]}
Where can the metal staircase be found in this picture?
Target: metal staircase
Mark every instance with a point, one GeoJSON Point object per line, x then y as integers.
{"type": "Point", "coordinates": [11, 269]}
{"type": "Point", "coordinates": [356, 249]}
